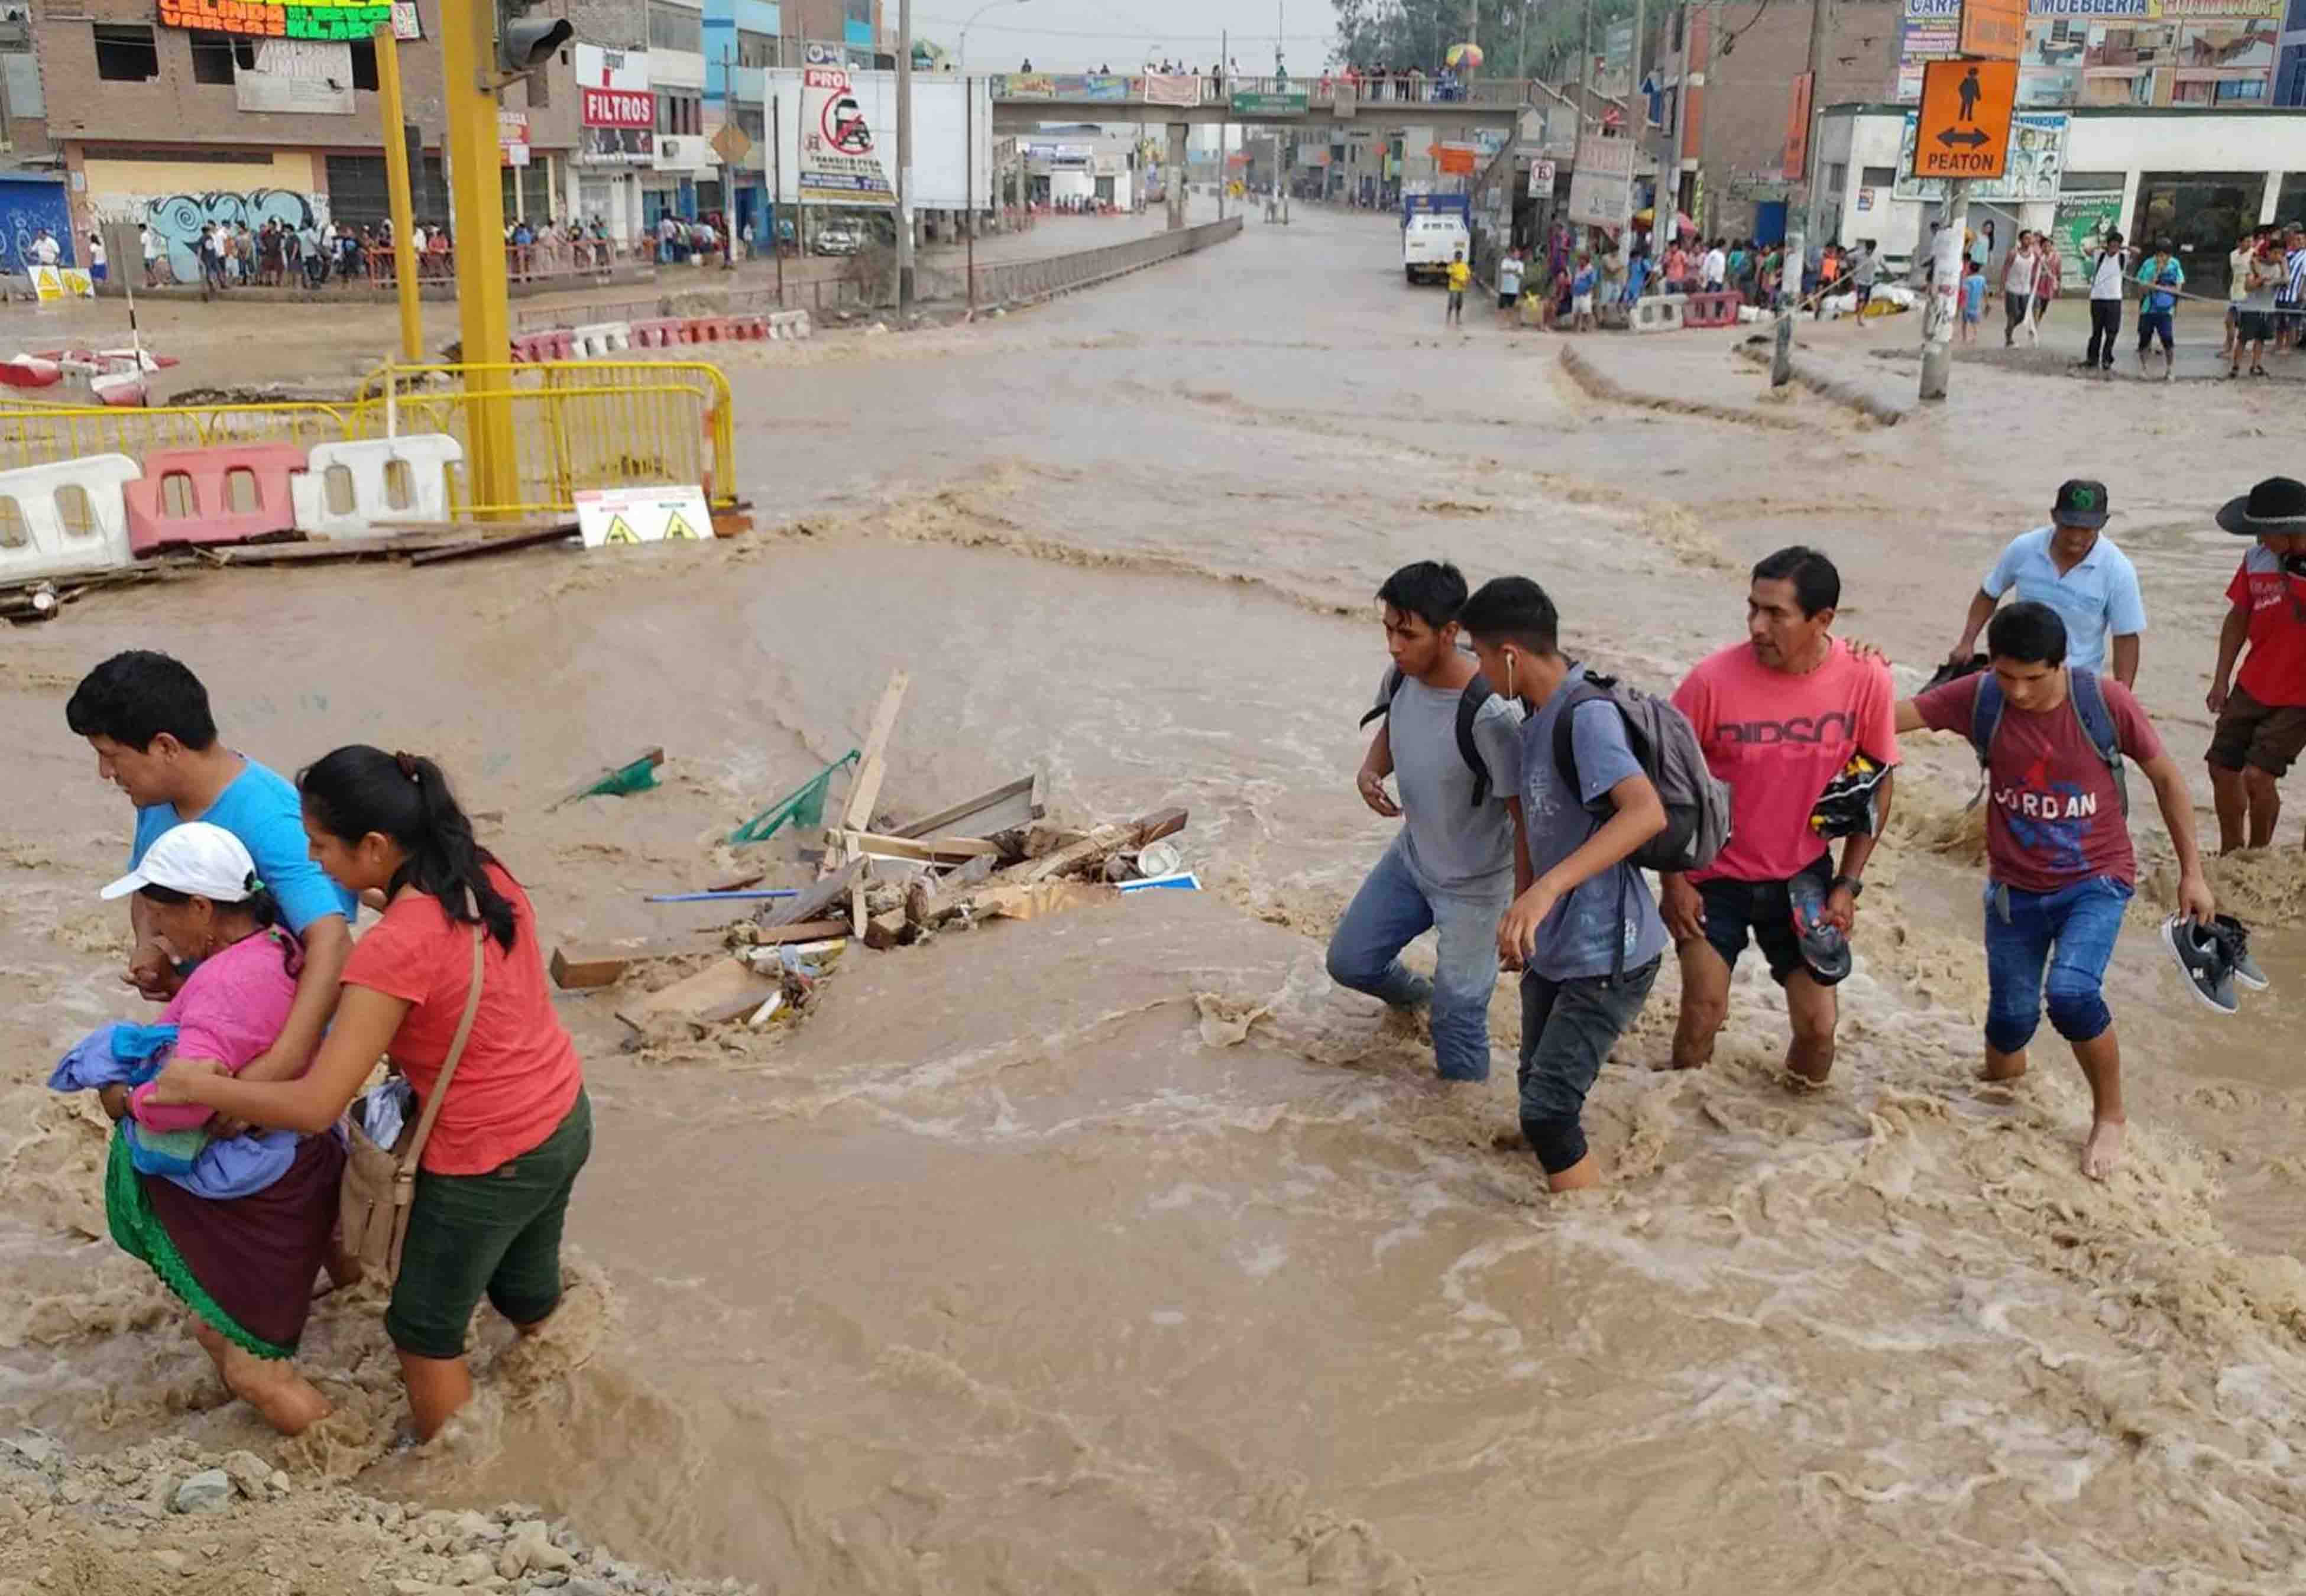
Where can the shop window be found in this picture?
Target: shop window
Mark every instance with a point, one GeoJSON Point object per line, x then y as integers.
{"type": "Point", "coordinates": [2195, 93]}
{"type": "Point", "coordinates": [2247, 90]}
{"type": "Point", "coordinates": [364, 63]}
{"type": "Point", "coordinates": [1877, 176]}
{"type": "Point", "coordinates": [125, 51]}
{"type": "Point", "coordinates": [756, 49]}
{"type": "Point", "coordinates": [672, 28]}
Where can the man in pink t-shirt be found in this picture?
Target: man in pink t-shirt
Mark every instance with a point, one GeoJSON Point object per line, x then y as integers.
{"type": "Point", "coordinates": [1780, 717]}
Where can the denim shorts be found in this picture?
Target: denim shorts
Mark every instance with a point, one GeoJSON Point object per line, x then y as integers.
{"type": "Point", "coordinates": [496, 1234]}
{"type": "Point", "coordinates": [1766, 908]}
{"type": "Point", "coordinates": [2067, 936]}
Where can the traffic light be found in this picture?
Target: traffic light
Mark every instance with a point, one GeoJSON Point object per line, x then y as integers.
{"type": "Point", "coordinates": [524, 46]}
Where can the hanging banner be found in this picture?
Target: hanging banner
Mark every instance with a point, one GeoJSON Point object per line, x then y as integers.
{"type": "Point", "coordinates": [272, 19]}
{"type": "Point", "coordinates": [1601, 184]}
{"type": "Point", "coordinates": [839, 164]}
{"type": "Point", "coordinates": [1172, 88]}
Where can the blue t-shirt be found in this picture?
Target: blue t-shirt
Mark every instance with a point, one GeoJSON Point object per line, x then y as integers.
{"type": "Point", "coordinates": [1580, 937]}
{"type": "Point", "coordinates": [1973, 296]}
{"type": "Point", "coordinates": [2158, 278]}
{"type": "Point", "coordinates": [1582, 283]}
{"type": "Point", "coordinates": [260, 807]}
{"type": "Point", "coordinates": [2098, 599]}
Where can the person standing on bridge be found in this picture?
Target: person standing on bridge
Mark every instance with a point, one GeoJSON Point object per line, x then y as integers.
{"type": "Point", "coordinates": [1452, 747]}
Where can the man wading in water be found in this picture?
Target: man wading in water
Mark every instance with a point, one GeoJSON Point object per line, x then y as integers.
{"type": "Point", "coordinates": [1452, 746]}
{"type": "Point", "coordinates": [2052, 740]}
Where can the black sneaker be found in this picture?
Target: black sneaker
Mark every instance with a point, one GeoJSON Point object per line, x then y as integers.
{"type": "Point", "coordinates": [2235, 938]}
{"type": "Point", "coordinates": [1824, 948]}
{"type": "Point", "coordinates": [2201, 954]}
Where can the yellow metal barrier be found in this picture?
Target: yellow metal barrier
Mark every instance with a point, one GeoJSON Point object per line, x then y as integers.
{"type": "Point", "coordinates": [576, 425]}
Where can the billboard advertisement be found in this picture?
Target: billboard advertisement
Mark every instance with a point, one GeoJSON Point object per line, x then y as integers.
{"type": "Point", "coordinates": [953, 149]}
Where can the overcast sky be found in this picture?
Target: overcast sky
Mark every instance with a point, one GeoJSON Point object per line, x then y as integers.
{"type": "Point", "coordinates": [1083, 35]}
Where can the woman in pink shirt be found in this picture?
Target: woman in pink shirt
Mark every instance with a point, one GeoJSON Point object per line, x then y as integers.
{"type": "Point", "coordinates": [240, 1234]}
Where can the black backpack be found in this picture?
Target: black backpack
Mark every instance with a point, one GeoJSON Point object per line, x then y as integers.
{"type": "Point", "coordinates": [1477, 692]}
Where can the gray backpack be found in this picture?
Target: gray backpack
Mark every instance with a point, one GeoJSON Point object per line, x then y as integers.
{"type": "Point", "coordinates": [1665, 744]}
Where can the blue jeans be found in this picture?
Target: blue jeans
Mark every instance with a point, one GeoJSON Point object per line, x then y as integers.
{"type": "Point", "coordinates": [1391, 911]}
{"type": "Point", "coordinates": [2072, 931]}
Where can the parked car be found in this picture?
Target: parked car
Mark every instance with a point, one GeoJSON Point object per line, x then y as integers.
{"type": "Point", "coordinates": [839, 238]}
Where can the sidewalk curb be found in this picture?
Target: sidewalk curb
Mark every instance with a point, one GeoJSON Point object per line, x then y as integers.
{"type": "Point", "coordinates": [1833, 387]}
{"type": "Point", "coordinates": [1597, 384]}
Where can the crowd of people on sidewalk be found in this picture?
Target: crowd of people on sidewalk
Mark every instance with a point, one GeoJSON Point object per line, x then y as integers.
{"type": "Point", "coordinates": [279, 254]}
{"type": "Point", "coordinates": [1535, 794]}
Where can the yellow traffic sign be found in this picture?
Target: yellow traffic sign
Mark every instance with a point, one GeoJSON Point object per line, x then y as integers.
{"type": "Point", "coordinates": [1963, 127]}
{"type": "Point", "coordinates": [621, 531]}
{"type": "Point", "coordinates": [732, 144]}
{"type": "Point", "coordinates": [676, 525]}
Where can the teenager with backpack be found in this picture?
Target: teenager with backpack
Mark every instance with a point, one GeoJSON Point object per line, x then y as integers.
{"type": "Point", "coordinates": [1450, 745]}
{"type": "Point", "coordinates": [1611, 781]}
{"type": "Point", "coordinates": [1785, 717]}
{"type": "Point", "coordinates": [2050, 742]}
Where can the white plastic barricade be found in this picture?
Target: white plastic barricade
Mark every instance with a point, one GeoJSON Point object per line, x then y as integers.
{"type": "Point", "coordinates": [601, 338]}
{"type": "Point", "coordinates": [1659, 312]}
{"type": "Point", "coordinates": [789, 324]}
{"type": "Point", "coordinates": [65, 516]}
{"type": "Point", "coordinates": [349, 487]}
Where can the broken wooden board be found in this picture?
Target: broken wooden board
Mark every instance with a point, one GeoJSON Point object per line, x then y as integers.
{"type": "Point", "coordinates": [1005, 808]}
{"type": "Point", "coordinates": [1102, 843]}
{"type": "Point", "coordinates": [579, 969]}
{"type": "Point", "coordinates": [886, 929]}
{"type": "Point", "coordinates": [1033, 901]}
{"type": "Point", "coordinates": [936, 850]}
{"type": "Point", "coordinates": [816, 899]}
{"type": "Point", "coordinates": [857, 813]}
{"type": "Point", "coordinates": [930, 901]}
{"type": "Point", "coordinates": [728, 989]}
{"type": "Point", "coordinates": [558, 532]}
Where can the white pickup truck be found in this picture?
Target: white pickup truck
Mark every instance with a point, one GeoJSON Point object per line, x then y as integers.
{"type": "Point", "coordinates": [1429, 243]}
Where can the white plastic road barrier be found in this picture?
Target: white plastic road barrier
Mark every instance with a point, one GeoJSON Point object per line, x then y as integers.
{"type": "Point", "coordinates": [349, 487]}
{"type": "Point", "coordinates": [65, 516]}
{"type": "Point", "coordinates": [601, 338]}
{"type": "Point", "coordinates": [1659, 312]}
{"type": "Point", "coordinates": [789, 324]}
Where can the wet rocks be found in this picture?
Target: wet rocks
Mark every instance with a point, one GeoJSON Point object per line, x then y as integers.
{"type": "Point", "coordinates": [209, 1491]}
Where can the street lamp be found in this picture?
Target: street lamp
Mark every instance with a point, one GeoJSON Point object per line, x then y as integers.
{"type": "Point", "coordinates": [965, 27]}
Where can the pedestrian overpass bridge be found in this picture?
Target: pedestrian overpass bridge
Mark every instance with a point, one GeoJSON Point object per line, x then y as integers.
{"type": "Point", "coordinates": [1022, 102]}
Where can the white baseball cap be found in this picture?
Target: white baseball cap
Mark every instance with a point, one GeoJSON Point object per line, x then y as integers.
{"type": "Point", "coordinates": [203, 860]}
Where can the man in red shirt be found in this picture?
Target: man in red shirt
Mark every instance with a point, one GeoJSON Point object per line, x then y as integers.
{"type": "Point", "coordinates": [1780, 716]}
{"type": "Point", "coordinates": [2262, 717]}
{"type": "Point", "coordinates": [2057, 842]}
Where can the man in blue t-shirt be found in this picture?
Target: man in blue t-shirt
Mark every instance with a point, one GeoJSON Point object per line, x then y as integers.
{"type": "Point", "coordinates": [2159, 279]}
{"type": "Point", "coordinates": [1585, 930]}
{"type": "Point", "coordinates": [154, 738]}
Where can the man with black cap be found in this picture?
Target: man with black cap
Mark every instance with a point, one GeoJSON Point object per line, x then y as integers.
{"type": "Point", "coordinates": [2106, 274]}
{"type": "Point", "coordinates": [2072, 566]}
{"type": "Point", "coordinates": [2261, 726]}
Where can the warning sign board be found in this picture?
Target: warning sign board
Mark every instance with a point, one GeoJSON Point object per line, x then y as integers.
{"type": "Point", "coordinates": [643, 516]}
{"type": "Point", "coordinates": [1963, 128]}
{"type": "Point", "coordinates": [1993, 29]}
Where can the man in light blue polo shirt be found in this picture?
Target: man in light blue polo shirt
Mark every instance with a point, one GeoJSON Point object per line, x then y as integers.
{"type": "Point", "coordinates": [2074, 568]}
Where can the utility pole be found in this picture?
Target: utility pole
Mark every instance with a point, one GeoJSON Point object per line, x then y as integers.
{"type": "Point", "coordinates": [1585, 64]}
{"type": "Point", "coordinates": [468, 63]}
{"type": "Point", "coordinates": [968, 183]}
{"type": "Point", "coordinates": [1945, 292]}
{"type": "Point", "coordinates": [1797, 235]}
{"type": "Point", "coordinates": [1665, 209]}
{"type": "Point", "coordinates": [904, 161]}
{"type": "Point", "coordinates": [397, 186]}
{"type": "Point", "coordinates": [1640, 108]}
{"type": "Point", "coordinates": [1224, 128]}
{"type": "Point", "coordinates": [775, 219]}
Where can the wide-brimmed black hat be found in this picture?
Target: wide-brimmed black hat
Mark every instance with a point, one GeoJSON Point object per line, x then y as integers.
{"type": "Point", "coordinates": [2277, 504]}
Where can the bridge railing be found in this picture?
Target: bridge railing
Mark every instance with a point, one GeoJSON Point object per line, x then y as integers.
{"type": "Point", "coordinates": [1190, 90]}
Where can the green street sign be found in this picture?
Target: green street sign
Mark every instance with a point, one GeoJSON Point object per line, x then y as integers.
{"type": "Point", "coordinates": [1268, 105]}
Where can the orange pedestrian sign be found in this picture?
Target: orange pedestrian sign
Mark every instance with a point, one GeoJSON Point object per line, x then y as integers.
{"type": "Point", "coordinates": [1963, 127]}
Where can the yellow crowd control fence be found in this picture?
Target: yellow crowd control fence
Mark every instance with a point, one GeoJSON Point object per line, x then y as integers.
{"type": "Point", "coordinates": [575, 425]}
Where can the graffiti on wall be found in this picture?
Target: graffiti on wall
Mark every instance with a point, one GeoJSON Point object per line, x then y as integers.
{"type": "Point", "coordinates": [177, 219]}
{"type": "Point", "coordinates": [25, 208]}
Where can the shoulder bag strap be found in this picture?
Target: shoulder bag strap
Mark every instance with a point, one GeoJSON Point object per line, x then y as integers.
{"type": "Point", "coordinates": [439, 1094]}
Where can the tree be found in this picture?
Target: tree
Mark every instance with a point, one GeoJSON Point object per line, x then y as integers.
{"type": "Point", "coordinates": [1542, 39]}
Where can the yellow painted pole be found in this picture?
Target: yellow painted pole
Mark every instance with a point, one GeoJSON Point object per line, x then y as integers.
{"type": "Point", "coordinates": [485, 311]}
{"type": "Point", "coordinates": [397, 181]}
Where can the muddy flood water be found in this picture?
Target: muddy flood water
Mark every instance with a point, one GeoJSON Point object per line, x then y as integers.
{"type": "Point", "coordinates": [1118, 1252]}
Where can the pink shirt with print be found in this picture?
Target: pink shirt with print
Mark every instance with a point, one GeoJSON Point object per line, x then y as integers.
{"type": "Point", "coordinates": [1778, 740]}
